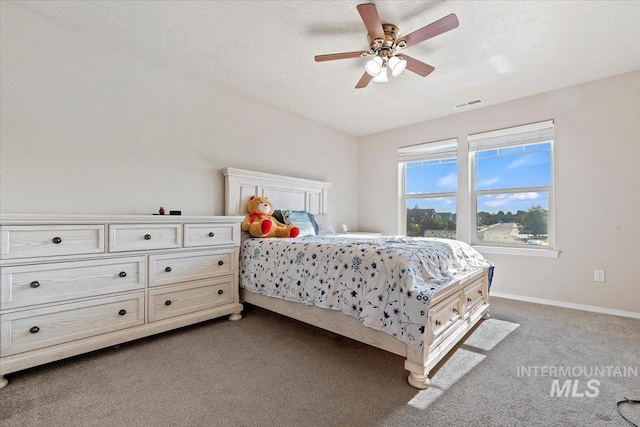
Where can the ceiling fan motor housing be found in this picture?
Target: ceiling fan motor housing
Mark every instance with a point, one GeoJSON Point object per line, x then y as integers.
{"type": "Point", "coordinates": [391, 32]}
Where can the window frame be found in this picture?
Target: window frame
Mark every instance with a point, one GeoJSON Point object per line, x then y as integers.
{"type": "Point", "coordinates": [431, 147]}
{"type": "Point", "coordinates": [550, 248]}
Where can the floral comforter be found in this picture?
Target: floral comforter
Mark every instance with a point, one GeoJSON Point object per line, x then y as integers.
{"type": "Point", "coordinates": [387, 282]}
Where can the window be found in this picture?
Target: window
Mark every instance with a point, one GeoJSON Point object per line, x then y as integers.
{"type": "Point", "coordinates": [429, 179]}
{"type": "Point", "coordinates": [512, 186]}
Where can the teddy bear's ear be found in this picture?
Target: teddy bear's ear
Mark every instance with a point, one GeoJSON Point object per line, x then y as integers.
{"type": "Point", "coordinates": [252, 197]}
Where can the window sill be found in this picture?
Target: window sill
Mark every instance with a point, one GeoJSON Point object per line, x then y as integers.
{"type": "Point", "coordinates": [546, 253]}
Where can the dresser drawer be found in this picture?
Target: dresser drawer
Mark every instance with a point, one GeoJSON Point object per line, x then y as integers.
{"type": "Point", "coordinates": [44, 241]}
{"type": "Point", "coordinates": [49, 283]}
{"type": "Point", "coordinates": [139, 237]}
{"type": "Point", "coordinates": [473, 296]}
{"type": "Point", "coordinates": [178, 300]}
{"type": "Point", "coordinates": [33, 329]}
{"type": "Point", "coordinates": [445, 315]}
{"type": "Point", "coordinates": [211, 234]}
{"type": "Point", "coordinates": [176, 268]}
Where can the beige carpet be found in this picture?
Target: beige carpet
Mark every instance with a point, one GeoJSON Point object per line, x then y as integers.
{"type": "Point", "coordinates": [267, 370]}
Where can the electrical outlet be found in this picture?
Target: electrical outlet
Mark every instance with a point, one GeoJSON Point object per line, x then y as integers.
{"type": "Point", "coordinates": [598, 275]}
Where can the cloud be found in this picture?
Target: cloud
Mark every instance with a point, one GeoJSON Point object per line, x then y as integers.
{"type": "Point", "coordinates": [448, 181]}
{"type": "Point", "coordinates": [520, 161]}
{"type": "Point", "coordinates": [494, 203]}
{"type": "Point", "coordinates": [532, 195]}
{"type": "Point", "coordinates": [505, 199]}
{"type": "Point", "coordinates": [488, 182]}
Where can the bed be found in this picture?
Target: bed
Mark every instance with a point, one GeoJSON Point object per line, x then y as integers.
{"type": "Point", "coordinates": [399, 294]}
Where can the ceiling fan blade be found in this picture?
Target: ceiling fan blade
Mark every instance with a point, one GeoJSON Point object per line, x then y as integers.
{"type": "Point", "coordinates": [364, 81]}
{"type": "Point", "coordinates": [343, 55]}
{"type": "Point", "coordinates": [418, 67]}
{"type": "Point", "coordinates": [436, 28]}
{"type": "Point", "coordinates": [371, 19]}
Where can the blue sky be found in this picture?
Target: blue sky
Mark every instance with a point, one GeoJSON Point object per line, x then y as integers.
{"type": "Point", "coordinates": [520, 166]}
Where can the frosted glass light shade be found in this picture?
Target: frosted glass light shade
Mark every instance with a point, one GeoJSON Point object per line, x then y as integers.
{"type": "Point", "coordinates": [373, 67]}
{"type": "Point", "coordinates": [382, 77]}
{"type": "Point", "coordinates": [397, 65]}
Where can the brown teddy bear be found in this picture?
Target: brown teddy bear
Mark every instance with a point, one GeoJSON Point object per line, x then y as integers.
{"type": "Point", "coordinates": [260, 223]}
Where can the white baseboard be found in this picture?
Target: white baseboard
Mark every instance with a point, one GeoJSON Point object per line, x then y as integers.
{"type": "Point", "coordinates": [582, 307]}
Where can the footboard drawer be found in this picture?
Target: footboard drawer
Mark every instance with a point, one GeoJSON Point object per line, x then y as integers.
{"type": "Point", "coordinates": [29, 330]}
{"type": "Point", "coordinates": [473, 296]}
{"type": "Point", "coordinates": [445, 315]}
{"type": "Point", "coordinates": [177, 300]}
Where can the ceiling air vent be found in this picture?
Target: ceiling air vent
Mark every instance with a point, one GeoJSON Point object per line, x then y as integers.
{"type": "Point", "coordinates": [466, 104]}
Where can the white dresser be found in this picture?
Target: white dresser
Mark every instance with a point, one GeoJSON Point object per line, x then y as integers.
{"type": "Point", "coordinates": [70, 284]}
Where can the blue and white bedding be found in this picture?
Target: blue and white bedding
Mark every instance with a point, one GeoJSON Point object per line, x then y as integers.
{"type": "Point", "coordinates": [386, 282]}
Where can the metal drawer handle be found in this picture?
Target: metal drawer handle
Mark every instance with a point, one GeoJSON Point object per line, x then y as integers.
{"type": "Point", "coordinates": [212, 234]}
{"type": "Point", "coordinates": [468, 299]}
{"type": "Point", "coordinates": [34, 284]}
{"type": "Point", "coordinates": [122, 274]}
{"type": "Point", "coordinates": [122, 312]}
{"type": "Point", "coordinates": [455, 310]}
{"type": "Point", "coordinates": [167, 302]}
{"type": "Point", "coordinates": [168, 269]}
{"type": "Point", "coordinates": [220, 291]}
{"type": "Point", "coordinates": [56, 240]}
{"type": "Point", "coordinates": [479, 291]}
{"type": "Point", "coordinates": [147, 237]}
{"type": "Point", "coordinates": [34, 330]}
{"type": "Point", "coordinates": [220, 262]}
{"type": "Point", "coordinates": [438, 323]}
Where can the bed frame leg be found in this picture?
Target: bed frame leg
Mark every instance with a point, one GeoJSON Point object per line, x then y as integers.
{"type": "Point", "coordinates": [3, 381]}
{"type": "Point", "coordinates": [235, 316]}
{"type": "Point", "coordinates": [416, 365]}
{"type": "Point", "coordinates": [421, 382]}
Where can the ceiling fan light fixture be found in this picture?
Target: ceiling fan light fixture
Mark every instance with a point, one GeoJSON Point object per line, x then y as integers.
{"type": "Point", "coordinates": [382, 77]}
{"type": "Point", "coordinates": [373, 67]}
{"type": "Point", "coordinates": [397, 65]}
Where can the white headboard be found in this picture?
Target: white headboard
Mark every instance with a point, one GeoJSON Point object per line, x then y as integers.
{"type": "Point", "coordinates": [284, 192]}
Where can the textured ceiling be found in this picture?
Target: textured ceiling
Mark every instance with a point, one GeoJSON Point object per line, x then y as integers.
{"type": "Point", "coordinates": [502, 50]}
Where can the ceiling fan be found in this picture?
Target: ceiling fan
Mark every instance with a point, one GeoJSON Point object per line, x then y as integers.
{"type": "Point", "coordinates": [384, 44]}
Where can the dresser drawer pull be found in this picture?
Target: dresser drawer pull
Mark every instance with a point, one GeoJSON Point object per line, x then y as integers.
{"type": "Point", "coordinates": [34, 330]}
{"type": "Point", "coordinates": [56, 240]}
{"type": "Point", "coordinates": [212, 234]}
{"type": "Point", "coordinates": [455, 310]}
{"type": "Point", "coordinates": [123, 274]}
{"type": "Point", "coordinates": [468, 299]}
{"type": "Point", "coordinates": [147, 237]}
{"type": "Point", "coordinates": [479, 291]}
{"type": "Point", "coordinates": [168, 269]}
{"type": "Point", "coordinates": [438, 323]}
{"type": "Point", "coordinates": [220, 262]}
{"type": "Point", "coordinates": [34, 284]}
{"type": "Point", "coordinates": [220, 291]}
{"type": "Point", "coordinates": [122, 312]}
{"type": "Point", "coordinates": [167, 302]}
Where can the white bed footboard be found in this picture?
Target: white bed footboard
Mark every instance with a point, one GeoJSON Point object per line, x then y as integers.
{"type": "Point", "coordinates": [455, 310]}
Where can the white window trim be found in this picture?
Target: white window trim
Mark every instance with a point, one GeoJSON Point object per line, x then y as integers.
{"type": "Point", "coordinates": [403, 151]}
{"type": "Point", "coordinates": [550, 250]}
{"type": "Point", "coordinates": [512, 250]}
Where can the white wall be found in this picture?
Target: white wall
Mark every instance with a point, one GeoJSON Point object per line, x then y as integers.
{"type": "Point", "coordinates": [597, 189]}
{"type": "Point", "coordinates": [90, 127]}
